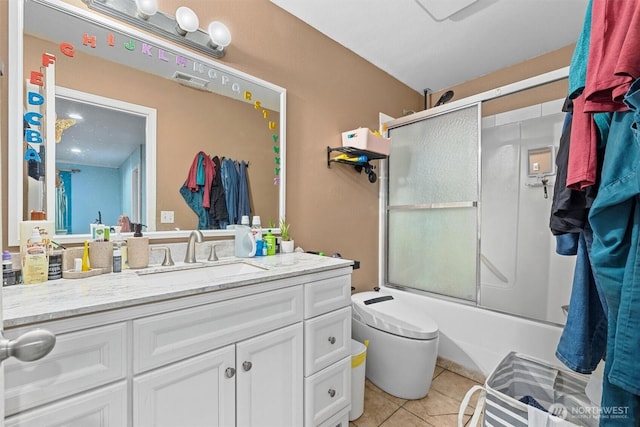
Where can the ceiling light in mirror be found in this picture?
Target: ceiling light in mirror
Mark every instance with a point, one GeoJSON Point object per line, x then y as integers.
{"type": "Point", "coordinates": [219, 34]}
{"type": "Point", "coordinates": [187, 20]}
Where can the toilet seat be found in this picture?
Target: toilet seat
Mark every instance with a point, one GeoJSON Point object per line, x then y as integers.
{"type": "Point", "coordinates": [388, 314]}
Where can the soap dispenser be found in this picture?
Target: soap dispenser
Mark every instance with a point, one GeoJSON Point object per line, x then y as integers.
{"type": "Point", "coordinates": [138, 248]}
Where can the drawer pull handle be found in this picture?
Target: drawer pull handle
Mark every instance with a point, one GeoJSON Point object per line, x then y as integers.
{"type": "Point", "coordinates": [247, 365]}
{"type": "Point", "coordinates": [230, 372]}
{"type": "Point", "coordinates": [332, 392]}
{"type": "Point", "coordinates": [332, 340]}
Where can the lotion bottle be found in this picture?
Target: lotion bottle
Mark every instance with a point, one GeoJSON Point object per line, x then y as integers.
{"type": "Point", "coordinates": [36, 262]}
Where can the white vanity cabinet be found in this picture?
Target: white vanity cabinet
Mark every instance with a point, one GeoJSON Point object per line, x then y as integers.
{"type": "Point", "coordinates": [265, 354]}
{"type": "Point", "coordinates": [252, 380]}
{"type": "Point", "coordinates": [255, 382]}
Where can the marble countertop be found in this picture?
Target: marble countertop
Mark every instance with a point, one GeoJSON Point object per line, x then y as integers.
{"type": "Point", "coordinates": [57, 299]}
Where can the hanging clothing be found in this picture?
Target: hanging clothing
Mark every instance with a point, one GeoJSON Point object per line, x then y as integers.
{"type": "Point", "coordinates": [201, 174]}
{"type": "Point", "coordinates": [583, 341]}
{"type": "Point", "coordinates": [615, 253]}
{"type": "Point", "coordinates": [569, 208]}
{"type": "Point", "coordinates": [578, 66]}
{"type": "Point", "coordinates": [582, 163]}
{"type": "Point", "coordinates": [613, 54]}
{"type": "Point", "coordinates": [244, 206]}
{"type": "Point", "coordinates": [196, 190]}
{"type": "Point", "coordinates": [230, 184]}
{"type": "Point", "coordinates": [194, 200]}
{"type": "Point", "coordinates": [218, 214]}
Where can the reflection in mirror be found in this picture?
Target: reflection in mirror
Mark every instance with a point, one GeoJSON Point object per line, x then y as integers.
{"type": "Point", "coordinates": [100, 161]}
{"type": "Point", "coordinates": [202, 106]}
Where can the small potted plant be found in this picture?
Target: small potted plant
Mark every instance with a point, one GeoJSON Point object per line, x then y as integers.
{"type": "Point", "coordinates": [286, 242]}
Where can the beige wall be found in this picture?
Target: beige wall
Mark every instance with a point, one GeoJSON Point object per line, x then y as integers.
{"type": "Point", "coordinates": [329, 90]}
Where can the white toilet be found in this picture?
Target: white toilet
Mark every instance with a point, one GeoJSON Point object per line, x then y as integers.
{"type": "Point", "coordinates": [403, 343]}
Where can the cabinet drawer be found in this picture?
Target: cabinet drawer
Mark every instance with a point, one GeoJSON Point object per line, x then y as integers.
{"type": "Point", "coordinates": [326, 295]}
{"type": "Point", "coordinates": [170, 337]}
{"type": "Point", "coordinates": [104, 407]}
{"type": "Point", "coordinates": [327, 339]}
{"type": "Point", "coordinates": [79, 361]}
{"type": "Point", "coordinates": [338, 420]}
{"type": "Point", "coordinates": [327, 392]}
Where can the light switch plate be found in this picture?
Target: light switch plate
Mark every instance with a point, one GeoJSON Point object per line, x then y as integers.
{"type": "Point", "coordinates": [166, 217]}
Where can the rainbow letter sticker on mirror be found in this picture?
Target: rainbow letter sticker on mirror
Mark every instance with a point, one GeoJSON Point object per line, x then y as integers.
{"type": "Point", "coordinates": [32, 154]}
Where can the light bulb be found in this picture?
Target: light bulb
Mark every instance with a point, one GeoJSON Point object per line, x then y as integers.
{"type": "Point", "coordinates": [187, 20]}
{"type": "Point", "coordinates": [219, 34]}
{"type": "Point", "coordinates": [147, 8]}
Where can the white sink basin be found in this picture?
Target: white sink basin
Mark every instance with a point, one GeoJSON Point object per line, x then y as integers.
{"type": "Point", "coordinates": [200, 272]}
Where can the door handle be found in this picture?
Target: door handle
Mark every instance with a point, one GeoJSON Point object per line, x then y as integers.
{"type": "Point", "coordinates": [30, 346]}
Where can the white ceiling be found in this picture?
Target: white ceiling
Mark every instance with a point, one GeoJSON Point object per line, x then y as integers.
{"type": "Point", "coordinates": [436, 44]}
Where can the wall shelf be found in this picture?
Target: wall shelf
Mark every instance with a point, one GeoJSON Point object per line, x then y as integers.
{"type": "Point", "coordinates": [359, 166]}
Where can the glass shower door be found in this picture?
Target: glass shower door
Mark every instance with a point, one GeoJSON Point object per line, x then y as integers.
{"type": "Point", "coordinates": [432, 209]}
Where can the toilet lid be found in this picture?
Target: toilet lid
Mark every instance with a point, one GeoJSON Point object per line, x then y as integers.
{"type": "Point", "coordinates": [384, 312]}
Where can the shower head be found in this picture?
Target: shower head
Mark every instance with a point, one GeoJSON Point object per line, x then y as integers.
{"type": "Point", "coordinates": [446, 97]}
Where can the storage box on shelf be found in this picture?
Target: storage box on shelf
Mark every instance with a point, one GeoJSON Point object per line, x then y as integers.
{"type": "Point", "coordinates": [364, 139]}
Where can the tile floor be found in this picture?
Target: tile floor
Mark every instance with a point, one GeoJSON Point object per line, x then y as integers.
{"type": "Point", "coordinates": [438, 409]}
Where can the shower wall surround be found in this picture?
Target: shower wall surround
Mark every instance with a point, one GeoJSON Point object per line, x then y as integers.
{"type": "Point", "coordinates": [464, 218]}
{"type": "Point", "coordinates": [520, 271]}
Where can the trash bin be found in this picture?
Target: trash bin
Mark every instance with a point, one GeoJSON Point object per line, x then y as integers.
{"type": "Point", "coordinates": [358, 363]}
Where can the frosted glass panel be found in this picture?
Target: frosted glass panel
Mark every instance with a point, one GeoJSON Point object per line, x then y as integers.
{"type": "Point", "coordinates": [434, 250]}
{"type": "Point", "coordinates": [435, 160]}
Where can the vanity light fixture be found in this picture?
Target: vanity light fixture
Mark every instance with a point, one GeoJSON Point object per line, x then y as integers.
{"type": "Point", "coordinates": [220, 35]}
{"type": "Point", "coordinates": [187, 20]}
{"type": "Point", "coordinates": [182, 29]}
{"type": "Point", "coordinates": [146, 8]}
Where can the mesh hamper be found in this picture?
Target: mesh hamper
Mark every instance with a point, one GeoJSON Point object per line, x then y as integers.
{"type": "Point", "coordinates": [523, 391]}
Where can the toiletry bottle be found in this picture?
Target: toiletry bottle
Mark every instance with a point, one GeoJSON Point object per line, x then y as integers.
{"type": "Point", "coordinates": [55, 264]}
{"type": "Point", "coordinates": [271, 243]}
{"type": "Point", "coordinates": [36, 263]}
{"type": "Point", "coordinates": [85, 257]}
{"type": "Point", "coordinates": [264, 247]}
{"type": "Point", "coordinates": [117, 259]}
{"type": "Point", "coordinates": [8, 275]}
{"type": "Point", "coordinates": [256, 228]}
{"type": "Point", "coordinates": [122, 245]}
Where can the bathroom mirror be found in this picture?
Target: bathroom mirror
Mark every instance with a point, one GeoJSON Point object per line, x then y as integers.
{"type": "Point", "coordinates": [201, 105]}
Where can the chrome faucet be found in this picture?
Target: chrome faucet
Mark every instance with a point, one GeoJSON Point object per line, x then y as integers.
{"type": "Point", "coordinates": [190, 256]}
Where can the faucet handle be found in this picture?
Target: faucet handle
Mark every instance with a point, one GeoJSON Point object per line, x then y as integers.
{"type": "Point", "coordinates": [213, 256]}
{"type": "Point", "coordinates": [168, 260]}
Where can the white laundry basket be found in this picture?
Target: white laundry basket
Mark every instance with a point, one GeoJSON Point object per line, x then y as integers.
{"type": "Point", "coordinates": [526, 392]}
{"type": "Point", "coordinates": [358, 366]}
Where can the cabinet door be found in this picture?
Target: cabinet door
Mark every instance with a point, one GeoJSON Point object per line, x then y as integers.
{"type": "Point", "coordinates": [270, 381]}
{"type": "Point", "coordinates": [199, 391]}
{"type": "Point", "coordinates": [103, 407]}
